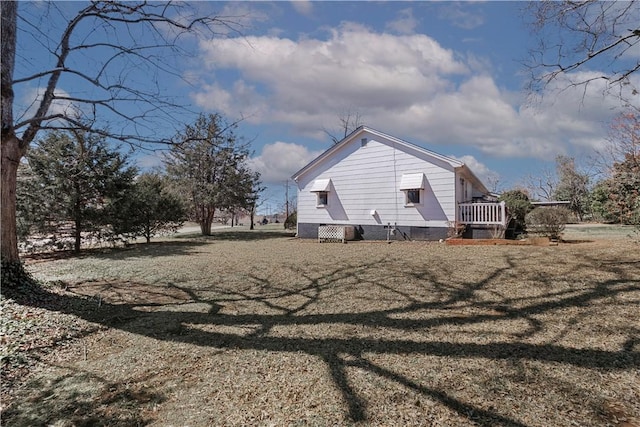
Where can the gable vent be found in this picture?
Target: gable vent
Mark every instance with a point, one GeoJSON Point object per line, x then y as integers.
{"type": "Point", "coordinates": [363, 142]}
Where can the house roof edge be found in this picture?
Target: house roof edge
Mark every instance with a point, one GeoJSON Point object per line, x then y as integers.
{"type": "Point", "coordinates": [360, 129]}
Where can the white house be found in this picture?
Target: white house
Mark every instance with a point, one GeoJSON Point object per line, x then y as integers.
{"type": "Point", "coordinates": [388, 188]}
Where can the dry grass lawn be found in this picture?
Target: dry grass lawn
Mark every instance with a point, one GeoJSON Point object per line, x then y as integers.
{"type": "Point", "coordinates": [264, 329]}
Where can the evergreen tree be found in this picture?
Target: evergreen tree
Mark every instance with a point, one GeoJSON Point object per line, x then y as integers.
{"type": "Point", "coordinates": [624, 190]}
{"type": "Point", "coordinates": [518, 206]}
{"type": "Point", "coordinates": [80, 176]}
{"type": "Point", "coordinates": [618, 197]}
{"type": "Point", "coordinates": [148, 209]}
{"type": "Point", "coordinates": [208, 167]}
{"type": "Point", "coordinates": [34, 210]}
{"type": "Point", "coordinates": [252, 198]}
{"type": "Point", "coordinates": [109, 59]}
{"type": "Point", "coordinates": [599, 202]}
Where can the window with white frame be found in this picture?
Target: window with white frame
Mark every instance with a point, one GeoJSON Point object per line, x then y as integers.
{"type": "Point", "coordinates": [412, 184]}
{"type": "Point", "coordinates": [321, 187]}
{"type": "Point", "coordinates": [322, 198]}
{"type": "Point", "coordinates": [413, 197]}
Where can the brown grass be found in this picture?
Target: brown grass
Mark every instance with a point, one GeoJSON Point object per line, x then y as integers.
{"type": "Point", "coordinates": [278, 331]}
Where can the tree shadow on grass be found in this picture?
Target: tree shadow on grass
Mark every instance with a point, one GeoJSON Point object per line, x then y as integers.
{"type": "Point", "coordinates": [82, 399]}
{"type": "Point", "coordinates": [341, 353]}
{"type": "Point", "coordinates": [137, 250]}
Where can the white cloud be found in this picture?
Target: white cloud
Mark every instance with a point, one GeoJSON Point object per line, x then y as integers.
{"type": "Point", "coordinates": [315, 78]}
{"type": "Point", "coordinates": [405, 23]}
{"type": "Point", "coordinates": [480, 170]}
{"type": "Point", "coordinates": [244, 14]}
{"type": "Point", "coordinates": [30, 102]}
{"type": "Point", "coordinates": [303, 7]}
{"type": "Point", "coordinates": [461, 15]}
{"type": "Point", "coordinates": [150, 161]}
{"type": "Point", "coordinates": [405, 85]}
{"type": "Point", "coordinates": [280, 160]}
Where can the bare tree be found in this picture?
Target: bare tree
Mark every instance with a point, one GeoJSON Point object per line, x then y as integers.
{"type": "Point", "coordinates": [493, 181]}
{"type": "Point", "coordinates": [576, 36]}
{"type": "Point", "coordinates": [542, 186]}
{"type": "Point", "coordinates": [624, 137]}
{"type": "Point", "coordinates": [572, 186]}
{"type": "Point", "coordinates": [349, 121]}
{"type": "Point", "coordinates": [105, 62]}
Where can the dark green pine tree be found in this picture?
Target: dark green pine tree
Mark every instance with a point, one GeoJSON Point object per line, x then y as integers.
{"type": "Point", "coordinates": [81, 176]}
{"type": "Point", "coordinates": [148, 209]}
{"type": "Point", "coordinates": [207, 166]}
{"type": "Point", "coordinates": [624, 190]}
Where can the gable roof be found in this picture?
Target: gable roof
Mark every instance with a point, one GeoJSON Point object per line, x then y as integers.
{"type": "Point", "coordinates": [456, 164]}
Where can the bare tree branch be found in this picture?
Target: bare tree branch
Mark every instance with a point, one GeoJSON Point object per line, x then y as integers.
{"type": "Point", "coordinates": [349, 121]}
{"type": "Point", "coordinates": [163, 20]}
{"type": "Point", "coordinates": [102, 65]}
{"type": "Point", "coordinates": [594, 36]}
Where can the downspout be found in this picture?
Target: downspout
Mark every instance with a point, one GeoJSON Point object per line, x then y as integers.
{"type": "Point", "coordinates": [456, 179]}
{"type": "Point", "coordinates": [395, 183]}
{"type": "Point", "coordinates": [297, 198]}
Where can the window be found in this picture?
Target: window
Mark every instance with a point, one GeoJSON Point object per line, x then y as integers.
{"type": "Point", "coordinates": [413, 185]}
{"type": "Point", "coordinates": [465, 190]}
{"type": "Point", "coordinates": [323, 198]}
{"type": "Point", "coordinates": [321, 187]}
{"type": "Point", "coordinates": [413, 197]}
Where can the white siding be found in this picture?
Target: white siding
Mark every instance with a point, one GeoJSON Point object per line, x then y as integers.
{"type": "Point", "coordinates": [467, 191]}
{"type": "Point", "coordinates": [367, 178]}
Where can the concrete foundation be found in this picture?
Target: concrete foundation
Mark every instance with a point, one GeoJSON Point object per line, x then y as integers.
{"type": "Point", "coordinates": [381, 232]}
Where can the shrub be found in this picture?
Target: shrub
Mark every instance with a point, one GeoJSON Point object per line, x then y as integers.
{"type": "Point", "coordinates": [548, 222]}
{"type": "Point", "coordinates": [518, 206]}
{"type": "Point", "coordinates": [292, 221]}
{"type": "Point", "coordinates": [455, 229]}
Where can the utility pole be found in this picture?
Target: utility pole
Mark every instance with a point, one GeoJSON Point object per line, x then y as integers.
{"type": "Point", "coordinates": [286, 198]}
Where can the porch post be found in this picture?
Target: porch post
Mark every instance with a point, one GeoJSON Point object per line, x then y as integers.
{"type": "Point", "coordinates": [503, 212]}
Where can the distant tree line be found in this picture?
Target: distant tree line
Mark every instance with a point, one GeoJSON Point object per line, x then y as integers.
{"type": "Point", "coordinates": [76, 185]}
{"type": "Point", "coordinates": [608, 191]}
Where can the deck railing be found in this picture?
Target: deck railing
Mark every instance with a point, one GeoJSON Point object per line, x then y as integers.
{"type": "Point", "coordinates": [482, 213]}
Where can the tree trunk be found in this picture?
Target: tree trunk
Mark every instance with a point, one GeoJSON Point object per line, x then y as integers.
{"type": "Point", "coordinates": [78, 235]}
{"type": "Point", "coordinates": [11, 155]}
{"type": "Point", "coordinates": [77, 217]}
{"type": "Point", "coordinates": [206, 220]}
{"type": "Point", "coordinates": [205, 227]}
{"type": "Point", "coordinates": [12, 148]}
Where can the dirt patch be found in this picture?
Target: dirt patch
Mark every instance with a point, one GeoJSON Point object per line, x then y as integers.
{"type": "Point", "coordinates": [288, 332]}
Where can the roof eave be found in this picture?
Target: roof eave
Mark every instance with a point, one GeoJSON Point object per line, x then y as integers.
{"type": "Point", "coordinates": [453, 162]}
{"type": "Point", "coordinates": [326, 153]}
{"type": "Point", "coordinates": [466, 168]}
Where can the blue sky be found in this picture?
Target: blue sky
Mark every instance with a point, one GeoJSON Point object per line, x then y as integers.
{"type": "Point", "coordinates": [444, 75]}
